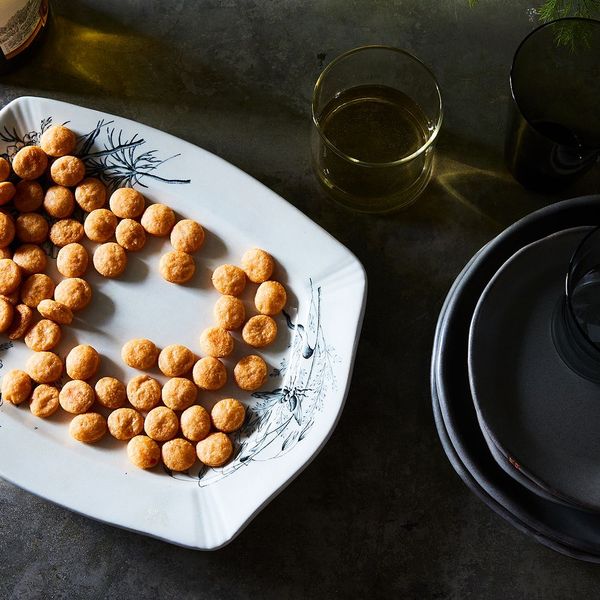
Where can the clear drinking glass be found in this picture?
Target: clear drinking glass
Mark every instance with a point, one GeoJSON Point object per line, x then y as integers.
{"type": "Point", "coordinates": [376, 114]}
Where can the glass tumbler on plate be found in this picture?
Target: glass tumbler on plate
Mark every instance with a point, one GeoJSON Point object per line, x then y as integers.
{"type": "Point", "coordinates": [376, 114]}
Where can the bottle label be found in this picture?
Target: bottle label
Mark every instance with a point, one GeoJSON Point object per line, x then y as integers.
{"type": "Point", "coordinates": [20, 22]}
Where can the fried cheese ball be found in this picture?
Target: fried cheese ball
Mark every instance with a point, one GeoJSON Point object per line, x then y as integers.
{"type": "Point", "coordinates": [44, 335]}
{"type": "Point", "coordinates": [44, 367]}
{"type": "Point", "coordinates": [209, 373]}
{"type": "Point", "coordinates": [110, 392]}
{"type": "Point", "coordinates": [259, 331]}
{"type": "Point", "coordinates": [82, 362]}
{"type": "Point", "coordinates": [175, 360]}
{"type": "Point", "coordinates": [44, 401]}
{"type": "Point", "coordinates": [214, 450]}
{"type": "Point", "coordinates": [22, 319]}
{"type": "Point", "coordinates": [59, 202]}
{"type": "Point", "coordinates": [10, 275]}
{"type": "Point", "coordinates": [131, 235]}
{"type": "Point", "coordinates": [110, 260]}
{"type": "Point", "coordinates": [127, 203]}
{"type": "Point", "coordinates": [66, 231]}
{"type": "Point", "coordinates": [30, 162]}
{"type": "Point", "coordinates": [228, 415]}
{"type": "Point", "coordinates": [4, 169]}
{"type": "Point", "coordinates": [179, 393]}
{"type": "Point", "coordinates": [58, 140]}
{"type": "Point", "coordinates": [90, 194]}
{"type": "Point", "coordinates": [125, 423]}
{"type": "Point", "coordinates": [195, 423]}
{"type": "Point", "coordinates": [75, 293]}
{"type": "Point", "coordinates": [35, 288]}
{"type": "Point", "coordinates": [31, 228]}
{"type": "Point", "coordinates": [7, 192]}
{"type": "Point", "coordinates": [270, 298]}
{"type": "Point", "coordinates": [7, 312]}
{"type": "Point", "coordinates": [31, 258]}
{"type": "Point", "coordinates": [140, 353]}
{"type": "Point", "coordinates": [55, 311]}
{"type": "Point", "coordinates": [72, 260]}
{"type": "Point", "coordinates": [143, 452]}
{"type": "Point", "coordinates": [161, 424]}
{"type": "Point", "coordinates": [67, 171]}
{"type": "Point", "coordinates": [177, 267]}
{"type": "Point", "coordinates": [7, 230]}
{"type": "Point", "coordinates": [100, 225]}
{"type": "Point", "coordinates": [250, 373]}
{"type": "Point", "coordinates": [229, 280]}
{"type": "Point", "coordinates": [229, 312]}
{"type": "Point", "coordinates": [16, 386]}
{"type": "Point", "coordinates": [258, 265]}
{"type": "Point", "coordinates": [88, 427]}
{"type": "Point", "coordinates": [76, 397]}
{"type": "Point", "coordinates": [143, 392]}
{"type": "Point", "coordinates": [216, 342]}
{"type": "Point", "coordinates": [178, 455]}
{"type": "Point", "coordinates": [158, 220]}
{"type": "Point", "coordinates": [29, 196]}
{"type": "Point", "coordinates": [187, 236]}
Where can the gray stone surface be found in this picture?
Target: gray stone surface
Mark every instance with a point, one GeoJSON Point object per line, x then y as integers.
{"type": "Point", "coordinates": [380, 512]}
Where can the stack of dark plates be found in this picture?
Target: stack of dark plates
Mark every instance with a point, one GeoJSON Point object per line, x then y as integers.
{"type": "Point", "coordinates": [519, 426]}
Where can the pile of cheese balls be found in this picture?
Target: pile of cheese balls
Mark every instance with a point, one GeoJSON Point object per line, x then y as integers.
{"type": "Point", "coordinates": [46, 185]}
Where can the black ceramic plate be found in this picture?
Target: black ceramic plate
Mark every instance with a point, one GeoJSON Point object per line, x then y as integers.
{"type": "Point", "coordinates": [537, 412]}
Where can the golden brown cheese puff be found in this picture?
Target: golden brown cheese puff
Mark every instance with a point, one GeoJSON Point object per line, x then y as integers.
{"type": "Point", "coordinates": [35, 288]}
{"type": "Point", "coordinates": [216, 342]}
{"type": "Point", "coordinates": [228, 415]}
{"type": "Point", "coordinates": [82, 362]}
{"type": "Point", "coordinates": [161, 424]}
{"type": "Point", "coordinates": [58, 140]}
{"type": "Point", "coordinates": [110, 392]}
{"type": "Point", "coordinates": [209, 373]}
{"type": "Point", "coordinates": [214, 450]}
{"type": "Point", "coordinates": [67, 171]}
{"type": "Point", "coordinates": [179, 393]}
{"type": "Point", "coordinates": [30, 162]}
{"type": "Point", "coordinates": [229, 280]}
{"type": "Point", "coordinates": [10, 275]}
{"type": "Point", "coordinates": [31, 228]}
{"type": "Point", "coordinates": [125, 423]}
{"type": "Point", "coordinates": [7, 230]}
{"type": "Point", "coordinates": [90, 194]}
{"type": "Point", "coordinates": [31, 258]}
{"type": "Point", "coordinates": [16, 386]}
{"type": "Point", "coordinates": [178, 455]}
{"type": "Point", "coordinates": [59, 202]}
{"type": "Point", "coordinates": [14, 297]}
{"type": "Point", "coordinates": [74, 292]}
{"type": "Point", "coordinates": [55, 311]}
{"type": "Point", "coordinates": [72, 260]}
{"type": "Point", "coordinates": [4, 169]}
{"type": "Point", "coordinates": [143, 392]}
{"type": "Point", "coordinates": [7, 192]}
{"type": "Point", "coordinates": [29, 196]}
{"type": "Point", "coordinates": [7, 312]}
{"type": "Point", "coordinates": [177, 267]}
{"type": "Point", "coordinates": [44, 367]}
{"type": "Point", "coordinates": [259, 331]}
{"type": "Point", "coordinates": [140, 353]}
{"type": "Point", "coordinates": [22, 319]}
{"type": "Point", "coordinates": [270, 298]}
{"type": "Point", "coordinates": [127, 203]}
{"type": "Point", "coordinates": [110, 260]}
{"type": "Point", "coordinates": [66, 231]}
{"type": "Point", "coordinates": [143, 452]}
{"type": "Point", "coordinates": [250, 373]}
{"type": "Point", "coordinates": [195, 423]}
{"type": "Point", "coordinates": [131, 235]}
{"type": "Point", "coordinates": [76, 397]}
{"type": "Point", "coordinates": [258, 265]}
{"type": "Point", "coordinates": [175, 360]}
{"type": "Point", "coordinates": [44, 401]}
{"type": "Point", "coordinates": [229, 312]}
{"type": "Point", "coordinates": [187, 236]}
{"type": "Point", "coordinates": [158, 220]}
{"type": "Point", "coordinates": [44, 335]}
{"type": "Point", "coordinates": [88, 427]}
{"type": "Point", "coordinates": [100, 225]}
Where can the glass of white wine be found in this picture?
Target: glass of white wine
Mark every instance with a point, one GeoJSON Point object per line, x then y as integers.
{"type": "Point", "coordinates": [376, 111]}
